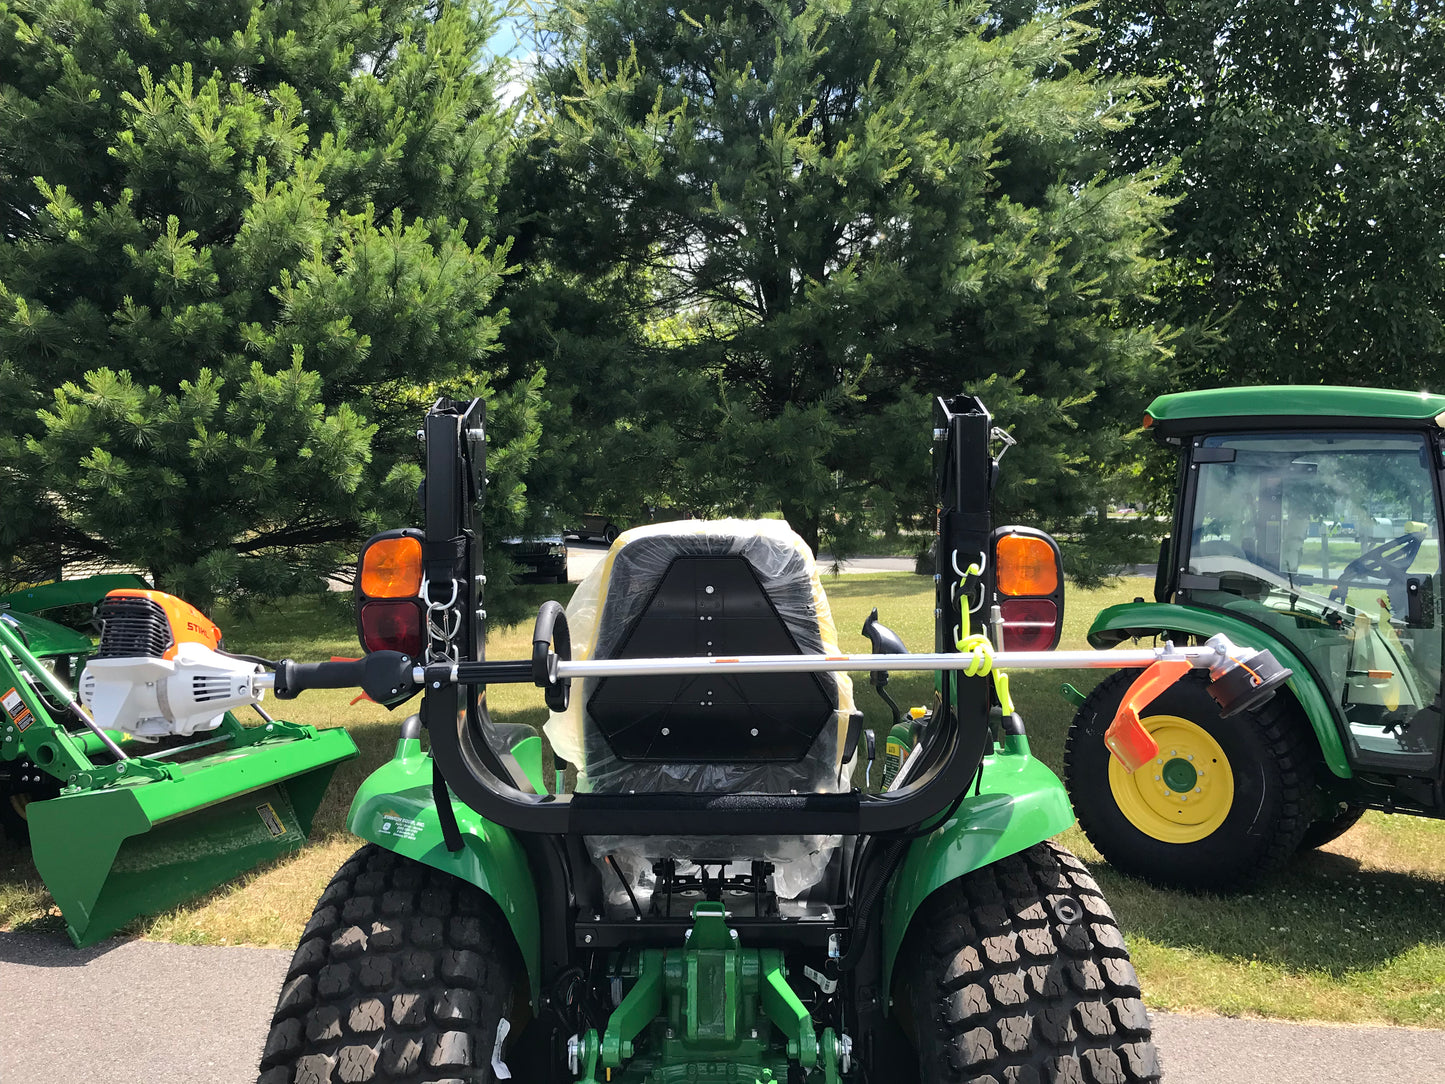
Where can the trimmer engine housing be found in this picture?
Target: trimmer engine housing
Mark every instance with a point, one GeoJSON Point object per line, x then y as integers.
{"type": "Point", "coordinates": [158, 672]}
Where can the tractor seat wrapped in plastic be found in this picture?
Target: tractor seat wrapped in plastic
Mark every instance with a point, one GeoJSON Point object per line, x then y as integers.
{"type": "Point", "coordinates": [708, 588]}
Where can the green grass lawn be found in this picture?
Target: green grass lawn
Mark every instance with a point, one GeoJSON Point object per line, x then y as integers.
{"type": "Point", "coordinates": [1352, 933]}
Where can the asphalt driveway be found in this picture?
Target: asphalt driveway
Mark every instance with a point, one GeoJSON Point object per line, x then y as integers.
{"type": "Point", "coordinates": [135, 1012]}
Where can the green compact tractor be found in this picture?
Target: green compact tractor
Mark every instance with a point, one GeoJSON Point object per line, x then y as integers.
{"type": "Point", "coordinates": [1307, 523]}
{"type": "Point", "coordinates": [141, 789]}
{"type": "Point", "coordinates": [715, 899]}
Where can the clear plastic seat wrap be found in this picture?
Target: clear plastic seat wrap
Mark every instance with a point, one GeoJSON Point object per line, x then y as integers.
{"type": "Point", "coordinates": [700, 588]}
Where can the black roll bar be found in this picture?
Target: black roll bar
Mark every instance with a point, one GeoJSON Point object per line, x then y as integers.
{"type": "Point", "coordinates": [455, 482]}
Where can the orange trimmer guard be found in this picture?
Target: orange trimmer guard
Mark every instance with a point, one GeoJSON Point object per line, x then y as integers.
{"type": "Point", "coordinates": [1126, 737]}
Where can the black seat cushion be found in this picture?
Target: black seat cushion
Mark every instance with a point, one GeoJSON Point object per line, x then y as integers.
{"type": "Point", "coordinates": [709, 606]}
{"type": "Point", "coordinates": [709, 595]}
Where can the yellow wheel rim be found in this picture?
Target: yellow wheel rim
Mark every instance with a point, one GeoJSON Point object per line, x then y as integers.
{"type": "Point", "coordinates": [1182, 795]}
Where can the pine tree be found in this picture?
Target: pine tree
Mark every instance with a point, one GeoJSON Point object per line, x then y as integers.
{"type": "Point", "coordinates": [817, 217]}
{"type": "Point", "coordinates": [242, 246]}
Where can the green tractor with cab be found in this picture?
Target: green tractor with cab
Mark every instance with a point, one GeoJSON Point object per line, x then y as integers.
{"type": "Point", "coordinates": [1307, 524]}
{"type": "Point", "coordinates": [720, 893]}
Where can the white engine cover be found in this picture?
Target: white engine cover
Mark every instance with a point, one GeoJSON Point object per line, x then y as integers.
{"type": "Point", "coordinates": [157, 698]}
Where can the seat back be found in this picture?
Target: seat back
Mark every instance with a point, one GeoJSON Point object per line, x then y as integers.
{"type": "Point", "coordinates": [706, 588]}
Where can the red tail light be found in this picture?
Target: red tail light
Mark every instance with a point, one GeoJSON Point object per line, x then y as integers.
{"type": "Point", "coordinates": [392, 625]}
{"type": "Point", "coordinates": [1029, 624]}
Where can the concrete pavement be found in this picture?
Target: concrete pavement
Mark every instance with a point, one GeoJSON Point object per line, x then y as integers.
{"type": "Point", "coordinates": [138, 1012]}
{"type": "Point", "coordinates": [133, 1012]}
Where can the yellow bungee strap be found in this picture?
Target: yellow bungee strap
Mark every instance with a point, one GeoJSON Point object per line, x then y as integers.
{"type": "Point", "coordinates": [981, 665]}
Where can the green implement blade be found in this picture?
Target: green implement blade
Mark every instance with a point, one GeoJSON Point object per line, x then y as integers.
{"type": "Point", "coordinates": [110, 855]}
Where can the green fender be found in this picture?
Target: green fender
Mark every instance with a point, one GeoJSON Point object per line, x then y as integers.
{"type": "Point", "coordinates": [394, 809]}
{"type": "Point", "coordinates": [1019, 802]}
{"type": "Point", "coordinates": [1118, 623]}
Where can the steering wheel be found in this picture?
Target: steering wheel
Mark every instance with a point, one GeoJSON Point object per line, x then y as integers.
{"type": "Point", "coordinates": [1389, 561]}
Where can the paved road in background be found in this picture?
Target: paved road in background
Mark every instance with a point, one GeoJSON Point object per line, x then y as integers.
{"type": "Point", "coordinates": [134, 1012]}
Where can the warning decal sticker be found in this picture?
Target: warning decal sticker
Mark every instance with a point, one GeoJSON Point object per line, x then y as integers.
{"type": "Point", "coordinates": [272, 822]}
{"type": "Point", "coordinates": [17, 710]}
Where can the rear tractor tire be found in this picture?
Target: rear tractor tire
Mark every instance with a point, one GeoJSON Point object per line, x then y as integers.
{"type": "Point", "coordinates": [1225, 804]}
{"type": "Point", "coordinates": [1017, 974]}
{"type": "Point", "coordinates": [403, 976]}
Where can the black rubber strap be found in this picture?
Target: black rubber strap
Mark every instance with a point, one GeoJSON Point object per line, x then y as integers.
{"type": "Point", "coordinates": [966, 523]}
{"type": "Point", "coordinates": [444, 561]}
{"type": "Point", "coordinates": [446, 815]}
{"type": "Point", "coordinates": [449, 549]}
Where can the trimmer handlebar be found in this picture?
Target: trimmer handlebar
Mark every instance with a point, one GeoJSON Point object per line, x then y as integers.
{"type": "Point", "coordinates": [385, 676]}
{"type": "Point", "coordinates": [1241, 678]}
{"type": "Point", "coordinates": [390, 677]}
{"type": "Point", "coordinates": [551, 628]}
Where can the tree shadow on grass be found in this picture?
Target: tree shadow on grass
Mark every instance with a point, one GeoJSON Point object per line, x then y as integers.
{"type": "Point", "coordinates": [1323, 913]}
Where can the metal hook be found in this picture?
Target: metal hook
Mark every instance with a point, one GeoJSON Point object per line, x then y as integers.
{"type": "Point", "coordinates": [976, 569]}
{"type": "Point", "coordinates": [1004, 438]}
{"type": "Point", "coordinates": [434, 605]}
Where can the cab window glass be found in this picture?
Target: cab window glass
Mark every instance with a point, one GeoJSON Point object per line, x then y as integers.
{"type": "Point", "coordinates": [1332, 540]}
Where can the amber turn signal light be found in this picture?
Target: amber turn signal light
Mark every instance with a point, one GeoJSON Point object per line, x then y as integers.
{"type": "Point", "coordinates": [1027, 566]}
{"type": "Point", "coordinates": [391, 568]}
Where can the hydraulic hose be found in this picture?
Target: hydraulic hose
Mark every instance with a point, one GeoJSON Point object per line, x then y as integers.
{"type": "Point", "coordinates": [867, 899]}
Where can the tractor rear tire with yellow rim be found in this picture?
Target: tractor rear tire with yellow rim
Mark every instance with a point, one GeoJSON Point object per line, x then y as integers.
{"type": "Point", "coordinates": [1225, 803]}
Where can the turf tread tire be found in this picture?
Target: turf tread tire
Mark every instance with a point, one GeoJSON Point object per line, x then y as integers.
{"type": "Point", "coordinates": [1250, 845]}
{"type": "Point", "coordinates": [1060, 1005]}
{"type": "Point", "coordinates": [401, 977]}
